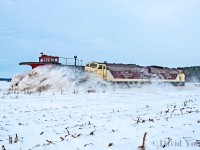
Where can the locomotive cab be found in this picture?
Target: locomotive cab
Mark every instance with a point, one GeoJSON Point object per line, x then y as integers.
{"type": "Point", "coordinates": [97, 68]}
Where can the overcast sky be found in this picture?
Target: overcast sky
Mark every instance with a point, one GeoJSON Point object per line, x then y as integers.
{"type": "Point", "coordinates": [143, 32]}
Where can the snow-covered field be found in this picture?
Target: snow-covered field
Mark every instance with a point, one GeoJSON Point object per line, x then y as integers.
{"type": "Point", "coordinates": [91, 117]}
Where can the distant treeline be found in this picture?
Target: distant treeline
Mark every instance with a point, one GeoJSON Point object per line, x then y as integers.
{"type": "Point", "coordinates": [192, 73]}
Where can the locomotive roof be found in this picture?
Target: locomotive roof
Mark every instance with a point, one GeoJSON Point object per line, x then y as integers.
{"type": "Point", "coordinates": [105, 63]}
{"type": "Point", "coordinates": [131, 65]}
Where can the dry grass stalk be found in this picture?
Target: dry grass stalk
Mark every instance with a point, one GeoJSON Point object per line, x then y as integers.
{"type": "Point", "coordinates": [16, 138]}
{"type": "Point", "coordinates": [10, 140]}
{"type": "Point", "coordinates": [3, 147]}
{"type": "Point", "coordinates": [110, 144]}
{"type": "Point", "coordinates": [143, 142]}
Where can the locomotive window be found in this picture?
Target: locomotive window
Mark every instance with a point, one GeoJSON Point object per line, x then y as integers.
{"type": "Point", "coordinates": [52, 59]}
{"type": "Point", "coordinates": [88, 65]}
{"type": "Point", "coordinates": [47, 59]}
{"type": "Point", "coordinates": [56, 59]}
{"type": "Point", "coordinates": [41, 60]}
{"type": "Point", "coordinates": [100, 67]}
{"type": "Point", "coordinates": [93, 65]}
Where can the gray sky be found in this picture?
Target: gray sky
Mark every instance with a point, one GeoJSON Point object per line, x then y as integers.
{"type": "Point", "coordinates": [143, 32]}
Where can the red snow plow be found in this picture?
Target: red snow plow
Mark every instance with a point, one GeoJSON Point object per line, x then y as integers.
{"type": "Point", "coordinates": [53, 61]}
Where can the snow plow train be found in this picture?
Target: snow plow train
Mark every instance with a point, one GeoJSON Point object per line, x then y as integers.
{"type": "Point", "coordinates": [119, 73]}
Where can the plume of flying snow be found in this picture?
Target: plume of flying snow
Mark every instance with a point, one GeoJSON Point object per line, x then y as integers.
{"type": "Point", "coordinates": [73, 81]}
{"type": "Point", "coordinates": [54, 79]}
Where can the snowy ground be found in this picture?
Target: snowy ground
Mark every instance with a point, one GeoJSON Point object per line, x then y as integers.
{"type": "Point", "coordinates": [116, 119]}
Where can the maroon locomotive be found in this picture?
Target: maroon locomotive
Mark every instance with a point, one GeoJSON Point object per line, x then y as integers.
{"type": "Point", "coordinates": [135, 73]}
